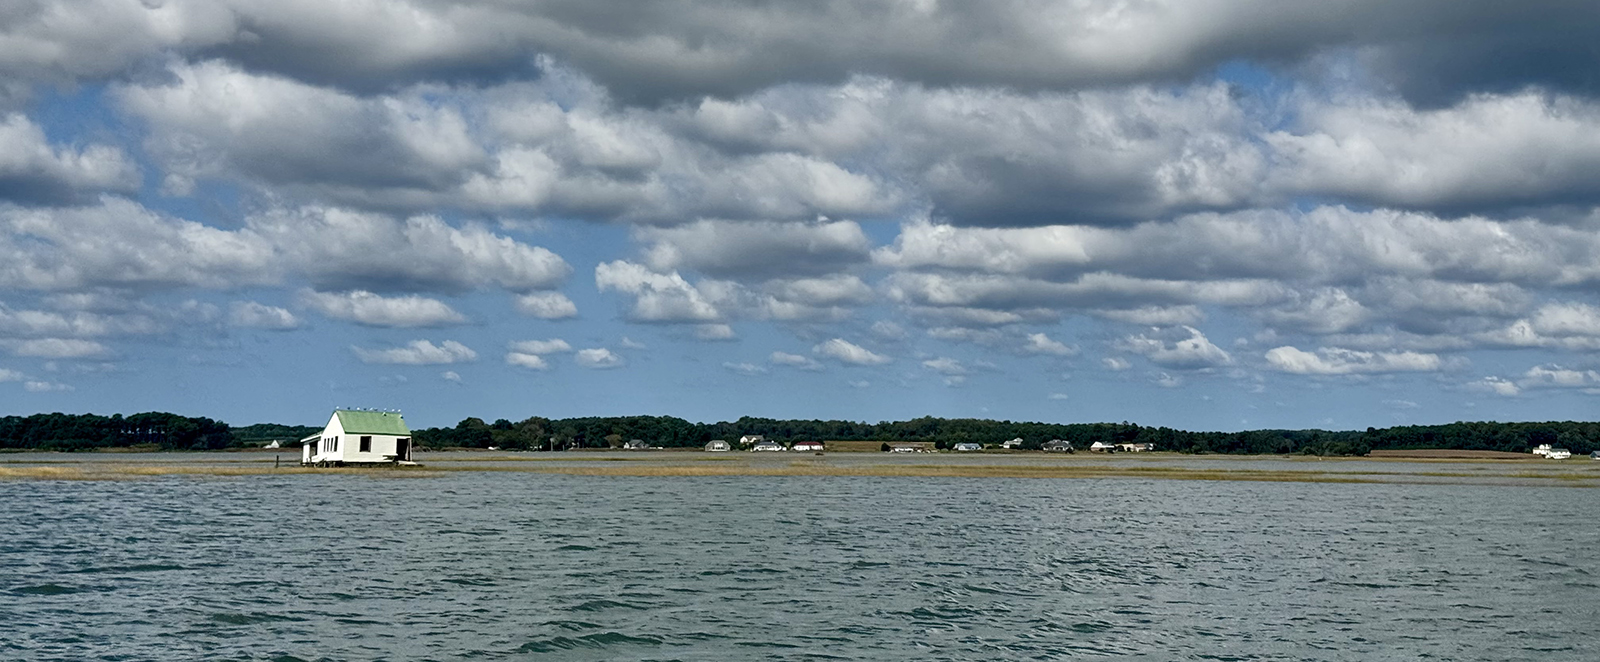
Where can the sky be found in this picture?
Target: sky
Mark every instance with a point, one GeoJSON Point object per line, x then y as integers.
{"type": "Point", "coordinates": [1206, 214]}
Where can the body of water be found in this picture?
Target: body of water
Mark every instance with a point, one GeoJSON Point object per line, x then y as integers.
{"type": "Point", "coordinates": [518, 566]}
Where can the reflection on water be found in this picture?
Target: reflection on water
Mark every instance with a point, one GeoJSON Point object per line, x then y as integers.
{"type": "Point", "coordinates": [520, 566]}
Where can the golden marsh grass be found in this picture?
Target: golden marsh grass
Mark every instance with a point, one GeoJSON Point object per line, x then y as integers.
{"type": "Point", "coordinates": [1160, 467]}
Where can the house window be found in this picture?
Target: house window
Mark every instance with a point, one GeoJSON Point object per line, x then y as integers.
{"type": "Point", "coordinates": [366, 444]}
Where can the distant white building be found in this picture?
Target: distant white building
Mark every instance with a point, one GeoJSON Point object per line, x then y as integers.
{"type": "Point", "coordinates": [1057, 446]}
{"type": "Point", "coordinates": [1542, 449]}
{"type": "Point", "coordinates": [806, 446]}
{"type": "Point", "coordinates": [967, 446]}
{"type": "Point", "coordinates": [1136, 448]}
{"type": "Point", "coordinates": [635, 445]}
{"type": "Point", "coordinates": [1558, 454]}
{"type": "Point", "coordinates": [1103, 447]}
{"type": "Point", "coordinates": [767, 446]}
{"type": "Point", "coordinates": [359, 436]}
{"type": "Point", "coordinates": [718, 446]}
{"type": "Point", "coordinates": [751, 439]}
{"type": "Point", "coordinates": [1012, 445]}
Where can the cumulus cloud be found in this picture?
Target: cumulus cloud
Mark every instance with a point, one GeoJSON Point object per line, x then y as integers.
{"type": "Point", "coordinates": [657, 297]}
{"type": "Point", "coordinates": [849, 353]}
{"type": "Point", "coordinates": [1115, 363]}
{"type": "Point", "coordinates": [255, 315]}
{"type": "Point", "coordinates": [418, 352]}
{"type": "Point", "coordinates": [525, 360]}
{"type": "Point", "coordinates": [794, 361]}
{"type": "Point", "coordinates": [9, 375]}
{"type": "Point", "coordinates": [598, 358]}
{"type": "Point", "coordinates": [370, 309]}
{"type": "Point", "coordinates": [1039, 343]}
{"type": "Point", "coordinates": [551, 346]}
{"type": "Point", "coordinates": [746, 369]}
{"type": "Point", "coordinates": [1169, 348]}
{"type": "Point", "coordinates": [59, 348]}
{"type": "Point", "coordinates": [768, 249]}
{"type": "Point", "coordinates": [119, 243]}
{"type": "Point", "coordinates": [1495, 385]}
{"type": "Point", "coordinates": [1340, 361]}
{"type": "Point", "coordinates": [714, 332]}
{"type": "Point", "coordinates": [46, 387]}
{"type": "Point", "coordinates": [546, 305]}
{"type": "Point", "coordinates": [32, 171]}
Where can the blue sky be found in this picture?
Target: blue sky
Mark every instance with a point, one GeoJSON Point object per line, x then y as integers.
{"type": "Point", "coordinates": [1211, 215]}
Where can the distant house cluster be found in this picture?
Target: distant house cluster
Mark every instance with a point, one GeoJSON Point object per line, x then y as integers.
{"type": "Point", "coordinates": [1108, 447]}
{"type": "Point", "coordinates": [1546, 451]}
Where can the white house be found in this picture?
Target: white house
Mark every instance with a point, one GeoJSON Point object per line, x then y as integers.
{"type": "Point", "coordinates": [767, 446]}
{"type": "Point", "coordinates": [359, 436]}
{"type": "Point", "coordinates": [1542, 449]}
{"type": "Point", "coordinates": [718, 446]}
{"type": "Point", "coordinates": [967, 446]}
{"type": "Point", "coordinates": [1012, 445]}
{"type": "Point", "coordinates": [1103, 447]}
{"type": "Point", "coordinates": [635, 445]}
{"type": "Point", "coordinates": [751, 440]}
{"type": "Point", "coordinates": [1057, 446]}
{"type": "Point", "coordinates": [806, 446]}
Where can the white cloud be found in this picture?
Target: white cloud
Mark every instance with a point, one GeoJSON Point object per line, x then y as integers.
{"type": "Point", "coordinates": [657, 297]}
{"type": "Point", "coordinates": [1039, 343]}
{"type": "Point", "coordinates": [418, 352]}
{"type": "Point", "coordinates": [451, 376]}
{"type": "Point", "coordinates": [598, 358]}
{"type": "Point", "coordinates": [529, 361]}
{"type": "Point", "coordinates": [370, 309]}
{"type": "Point", "coordinates": [118, 243]}
{"type": "Point", "coordinates": [255, 315]}
{"type": "Point", "coordinates": [714, 332]}
{"type": "Point", "coordinates": [887, 330]}
{"type": "Point", "coordinates": [945, 365]}
{"type": "Point", "coordinates": [795, 361]}
{"type": "Point", "coordinates": [762, 249]}
{"type": "Point", "coordinates": [1058, 396]}
{"type": "Point", "coordinates": [1555, 376]}
{"type": "Point", "coordinates": [33, 171]}
{"type": "Point", "coordinates": [846, 352]}
{"type": "Point", "coordinates": [1184, 315]}
{"type": "Point", "coordinates": [59, 348]}
{"type": "Point", "coordinates": [747, 369]}
{"type": "Point", "coordinates": [546, 305]}
{"type": "Point", "coordinates": [1340, 361]}
{"type": "Point", "coordinates": [9, 375]}
{"type": "Point", "coordinates": [1495, 385]}
{"type": "Point", "coordinates": [1165, 380]}
{"type": "Point", "coordinates": [1116, 363]}
{"type": "Point", "coordinates": [45, 387]}
{"type": "Point", "coordinates": [1164, 348]}
{"type": "Point", "coordinates": [551, 346]}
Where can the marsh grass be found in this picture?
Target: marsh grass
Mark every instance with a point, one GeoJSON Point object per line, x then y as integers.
{"type": "Point", "coordinates": [736, 465]}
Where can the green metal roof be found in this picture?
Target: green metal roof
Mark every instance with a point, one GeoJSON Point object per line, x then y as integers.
{"type": "Point", "coordinates": [372, 422]}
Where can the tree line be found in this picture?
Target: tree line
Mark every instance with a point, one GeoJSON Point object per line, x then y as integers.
{"type": "Point", "coordinates": [165, 431]}
{"type": "Point", "coordinates": [79, 432]}
{"type": "Point", "coordinates": [539, 433]}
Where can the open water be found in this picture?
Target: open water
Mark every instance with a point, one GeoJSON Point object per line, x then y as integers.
{"type": "Point", "coordinates": [516, 566]}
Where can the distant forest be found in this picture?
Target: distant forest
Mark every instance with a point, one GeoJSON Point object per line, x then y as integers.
{"type": "Point", "coordinates": [163, 431]}
{"type": "Point", "coordinates": [600, 432]}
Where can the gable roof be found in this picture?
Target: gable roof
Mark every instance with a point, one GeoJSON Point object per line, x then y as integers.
{"type": "Point", "coordinates": [372, 422]}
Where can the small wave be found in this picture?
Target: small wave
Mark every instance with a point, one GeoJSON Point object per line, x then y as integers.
{"type": "Point", "coordinates": [570, 625]}
{"type": "Point", "coordinates": [602, 605]}
{"type": "Point", "coordinates": [142, 567]}
{"type": "Point", "coordinates": [574, 548]}
{"type": "Point", "coordinates": [48, 589]}
{"type": "Point", "coordinates": [251, 619]}
{"type": "Point", "coordinates": [598, 640]}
